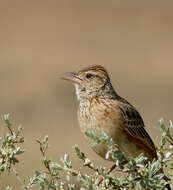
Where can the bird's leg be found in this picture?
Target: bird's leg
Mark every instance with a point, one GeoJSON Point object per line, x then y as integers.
{"type": "Point", "coordinates": [108, 172]}
{"type": "Point", "coordinates": [111, 169]}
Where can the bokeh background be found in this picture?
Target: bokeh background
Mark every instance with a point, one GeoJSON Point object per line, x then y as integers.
{"type": "Point", "coordinates": [41, 39]}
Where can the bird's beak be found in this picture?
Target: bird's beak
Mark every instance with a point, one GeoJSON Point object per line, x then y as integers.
{"type": "Point", "coordinates": [72, 76]}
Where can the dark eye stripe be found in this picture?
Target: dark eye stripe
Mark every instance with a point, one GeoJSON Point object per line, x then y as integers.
{"type": "Point", "coordinates": [89, 75]}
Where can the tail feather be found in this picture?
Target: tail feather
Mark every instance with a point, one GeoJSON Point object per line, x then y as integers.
{"type": "Point", "coordinates": [168, 186]}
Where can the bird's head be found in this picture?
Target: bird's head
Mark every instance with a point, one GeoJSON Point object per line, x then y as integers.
{"type": "Point", "coordinates": [89, 82]}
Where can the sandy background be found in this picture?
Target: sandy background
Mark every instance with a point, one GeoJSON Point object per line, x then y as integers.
{"type": "Point", "coordinates": [40, 39]}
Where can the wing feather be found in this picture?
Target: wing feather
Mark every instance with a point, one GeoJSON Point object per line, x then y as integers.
{"type": "Point", "coordinates": [133, 124]}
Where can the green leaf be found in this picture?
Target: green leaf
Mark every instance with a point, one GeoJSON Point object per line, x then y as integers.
{"type": "Point", "coordinates": [55, 165]}
{"type": "Point", "coordinates": [94, 143]}
{"type": "Point", "coordinates": [15, 160]}
{"type": "Point", "coordinates": [20, 128]}
{"type": "Point", "coordinates": [80, 154]}
{"type": "Point", "coordinates": [6, 117]}
{"type": "Point", "coordinates": [162, 125]}
{"type": "Point", "coordinates": [45, 139]}
{"type": "Point", "coordinates": [45, 161]}
{"type": "Point", "coordinates": [21, 140]}
{"type": "Point", "coordinates": [37, 173]}
{"type": "Point", "coordinates": [18, 151]}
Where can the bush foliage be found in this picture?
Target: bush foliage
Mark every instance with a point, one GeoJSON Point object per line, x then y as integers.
{"type": "Point", "coordinates": [133, 174]}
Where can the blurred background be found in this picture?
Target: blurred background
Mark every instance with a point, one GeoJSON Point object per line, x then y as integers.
{"type": "Point", "coordinates": [40, 39]}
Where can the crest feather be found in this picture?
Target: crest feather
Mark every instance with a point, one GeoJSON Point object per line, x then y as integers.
{"type": "Point", "coordinates": [94, 68]}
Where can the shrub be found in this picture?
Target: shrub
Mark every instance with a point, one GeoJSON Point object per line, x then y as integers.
{"type": "Point", "coordinates": [134, 174]}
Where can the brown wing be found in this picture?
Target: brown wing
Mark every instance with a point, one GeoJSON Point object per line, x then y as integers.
{"type": "Point", "coordinates": [133, 124]}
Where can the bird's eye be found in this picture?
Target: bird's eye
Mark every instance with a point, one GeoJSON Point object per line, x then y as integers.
{"type": "Point", "coordinates": [89, 75]}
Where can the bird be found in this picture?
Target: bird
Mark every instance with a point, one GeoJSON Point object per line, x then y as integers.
{"type": "Point", "coordinates": [102, 109]}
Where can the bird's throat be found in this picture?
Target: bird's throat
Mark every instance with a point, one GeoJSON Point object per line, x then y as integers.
{"type": "Point", "coordinates": [77, 91]}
